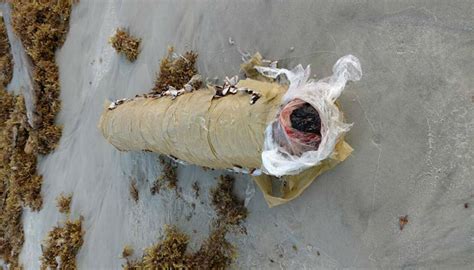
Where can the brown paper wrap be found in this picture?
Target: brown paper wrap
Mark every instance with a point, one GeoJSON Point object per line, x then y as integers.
{"type": "Point", "coordinates": [221, 133]}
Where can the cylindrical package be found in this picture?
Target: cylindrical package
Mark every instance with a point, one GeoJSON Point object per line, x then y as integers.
{"type": "Point", "coordinates": [240, 132]}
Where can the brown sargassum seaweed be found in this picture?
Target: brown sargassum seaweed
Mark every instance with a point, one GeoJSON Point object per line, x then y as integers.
{"type": "Point", "coordinates": [126, 44]}
{"type": "Point", "coordinates": [168, 178]}
{"type": "Point", "coordinates": [63, 202]}
{"type": "Point", "coordinates": [176, 71]}
{"type": "Point", "coordinates": [6, 59]}
{"type": "Point", "coordinates": [41, 26]}
{"type": "Point", "coordinates": [63, 243]}
{"type": "Point", "coordinates": [20, 186]}
{"type": "Point", "coordinates": [214, 253]}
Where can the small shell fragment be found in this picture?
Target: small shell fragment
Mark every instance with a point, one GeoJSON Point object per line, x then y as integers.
{"type": "Point", "coordinates": [188, 88]}
{"type": "Point", "coordinates": [232, 81]}
{"type": "Point", "coordinates": [255, 96]}
{"type": "Point", "coordinates": [225, 90]}
{"type": "Point", "coordinates": [114, 104]}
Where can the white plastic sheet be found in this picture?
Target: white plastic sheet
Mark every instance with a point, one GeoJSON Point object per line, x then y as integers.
{"type": "Point", "coordinates": [321, 95]}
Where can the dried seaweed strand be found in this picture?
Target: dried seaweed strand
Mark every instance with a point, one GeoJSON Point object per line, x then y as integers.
{"type": "Point", "coordinates": [42, 27]}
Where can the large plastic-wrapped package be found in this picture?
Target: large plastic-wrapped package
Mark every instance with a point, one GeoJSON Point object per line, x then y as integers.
{"type": "Point", "coordinates": [246, 126]}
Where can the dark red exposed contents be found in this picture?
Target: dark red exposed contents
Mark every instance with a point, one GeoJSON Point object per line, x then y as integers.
{"type": "Point", "coordinates": [298, 128]}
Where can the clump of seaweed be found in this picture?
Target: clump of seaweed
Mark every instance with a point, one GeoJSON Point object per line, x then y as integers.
{"type": "Point", "coordinates": [63, 202]}
{"type": "Point", "coordinates": [21, 165]}
{"type": "Point", "coordinates": [6, 58]}
{"type": "Point", "coordinates": [170, 253]}
{"type": "Point", "coordinates": [19, 184]}
{"type": "Point", "coordinates": [214, 253]}
{"type": "Point", "coordinates": [62, 245]}
{"type": "Point", "coordinates": [11, 230]}
{"type": "Point", "coordinates": [42, 27]}
{"type": "Point", "coordinates": [133, 265]}
{"type": "Point", "coordinates": [130, 264]}
{"type": "Point", "coordinates": [167, 179]}
{"type": "Point", "coordinates": [126, 44]}
{"type": "Point", "coordinates": [176, 71]}
{"type": "Point", "coordinates": [6, 106]}
{"type": "Point", "coordinates": [127, 251]}
{"type": "Point", "coordinates": [230, 210]}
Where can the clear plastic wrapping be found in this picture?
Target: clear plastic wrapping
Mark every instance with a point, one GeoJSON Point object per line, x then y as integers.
{"type": "Point", "coordinates": [322, 94]}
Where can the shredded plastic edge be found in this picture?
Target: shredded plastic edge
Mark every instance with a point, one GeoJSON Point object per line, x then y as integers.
{"type": "Point", "coordinates": [321, 95]}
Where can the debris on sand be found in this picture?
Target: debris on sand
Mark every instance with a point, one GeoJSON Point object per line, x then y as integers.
{"type": "Point", "coordinates": [403, 220]}
{"type": "Point", "coordinates": [126, 44]}
{"type": "Point", "coordinates": [196, 189]}
{"type": "Point", "coordinates": [133, 190]}
{"type": "Point", "coordinates": [130, 264]}
{"type": "Point", "coordinates": [127, 251]}
{"type": "Point", "coordinates": [230, 210]}
{"type": "Point", "coordinates": [42, 27]}
{"type": "Point", "coordinates": [20, 186]}
{"type": "Point", "coordinates": [168, 178]}
{"type": "Point", "coordinates": [214, 253]}
{"type": "Point", "coordinates": [176, 71]}
{"type": "Point", "coordinates": [6, 58]}
{"type": "Point", "coordinates": [62, 245]}
{"type": "Point", "coordinates": [63, 202]}
{"type": "Point", "coordinates": [170, 253]}
{"type": "Point", "coordinates": [7, 102]}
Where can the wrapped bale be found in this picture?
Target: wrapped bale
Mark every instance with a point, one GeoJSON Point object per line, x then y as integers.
{"type": "Point", "coordinates": [247, 131]}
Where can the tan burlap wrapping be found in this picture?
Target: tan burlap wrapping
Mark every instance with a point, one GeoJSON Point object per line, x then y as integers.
{"type": "Point", "coordinates": [220, 133]}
